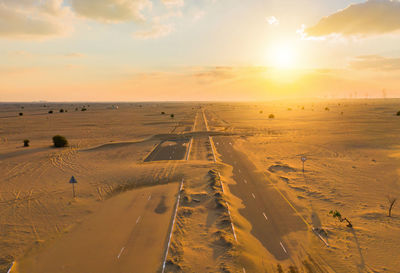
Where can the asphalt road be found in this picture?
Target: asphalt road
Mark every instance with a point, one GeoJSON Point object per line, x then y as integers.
{"type": "Point", "coordinates": [201, 146]}
{"type": "Point", "coordinates": [169, 150]}
{"type": "Point", "coordinates": [128, 234]}
{"type": "Point", "coordinates": [269, 213]}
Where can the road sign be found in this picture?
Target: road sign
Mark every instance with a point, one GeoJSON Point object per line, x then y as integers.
{"type": "Point", "coordinates": [303, 159]}
{"type": "Point", "coordinates": [73, 180]}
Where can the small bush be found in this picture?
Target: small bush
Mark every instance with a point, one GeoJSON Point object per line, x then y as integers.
{"type": "Point", "coordinates": [76, 109]}
{"type": "Point", "coordinates": [60, 141]}
{"type": "Point", "coordinates": [271, 116]}
{"type": "Point", "coordinates": [398, 113]}
{"type": "Point", "coordinates": [162, 113]}
{"type": "Point", "coordinates": [327, 109]}
{"type": "Point", "coordinates": [172, 115]}
{"type": "Point", "coordinates": [21, 114]}
{"type": "Point", "coordinates": [26, 142]}
{"type": "Point", "coordinates": [289, 109]}
{"type": "Point", "coordinates": [336, 214]}
{"type": "Point", "coordinates": [61, 110]}
{"type": "Point", "coordinates": [83, 109]}
{"type": "Point", "coordinates": [51, 112]}
{"type": "Point", "coordinates": [261, 111]}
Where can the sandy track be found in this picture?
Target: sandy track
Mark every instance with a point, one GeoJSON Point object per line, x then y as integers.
{"type": "Point", "coordinates": [201, 146]}
{"type": "Point", "coordinates": [127, 233]}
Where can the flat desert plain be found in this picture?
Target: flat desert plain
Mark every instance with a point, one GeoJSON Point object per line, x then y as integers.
{"type": "Point", "coordinates": [200, 187]}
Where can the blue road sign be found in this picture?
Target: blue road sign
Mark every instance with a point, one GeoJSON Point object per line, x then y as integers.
{"type": "Point", "coordinates": [73, 180]}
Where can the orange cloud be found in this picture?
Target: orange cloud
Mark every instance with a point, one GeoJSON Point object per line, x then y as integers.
{"type": "Point", "coordinates": [364, 19]}
{"type": "Point", "coordinates": [111, 10]}
{"type": "Point", "coordinates": [27, 19]}
{"type": "Point", "coordinates": [375, 62]}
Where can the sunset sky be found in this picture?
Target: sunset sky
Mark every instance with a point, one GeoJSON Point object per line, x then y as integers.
{"type": "Point", "coordinates": [141, 50]}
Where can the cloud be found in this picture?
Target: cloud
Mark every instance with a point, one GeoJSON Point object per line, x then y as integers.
{"type": "Point", "coordinates": [178, 3]}
{"type": "Point", "coordinates": [272, 21]}
{"type": "Point", "coordinates": [372, 17]}
{"type": "Point", "coordinates": [74, 55]}
{"type": "Point", "coordinates": [375, 62]}
{"type": "Point", "coordinates": [156, 31]}
{"type": "Point", "coordinates": [111, 10]}
{"type": "Point", "coordinates": [31, 19]}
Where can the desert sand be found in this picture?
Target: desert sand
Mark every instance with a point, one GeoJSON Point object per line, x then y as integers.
{"type": "Point", "coordinates": [245, 205]}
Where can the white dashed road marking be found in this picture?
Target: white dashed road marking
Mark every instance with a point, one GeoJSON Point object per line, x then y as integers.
{"type": "Point", "coordinates": [119, 255]}
{"type": "Point", "coordinates": [266, 218]}
{"type": "Point", "coordinates": [245, 181]}
{"type": "Point", "coordinates": [283, 247]}
{"type": "Point", "coordinates": [253, 195]}
{"type": "Point", "coordinates": [138, 219]}
{"type": "Point", "coordinates": [149, 197]}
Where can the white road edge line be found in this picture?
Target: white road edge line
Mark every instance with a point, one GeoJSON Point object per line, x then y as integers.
{"type": "Point", "coordinates": [253, 195]}
{"type": "Point", "coordinates": [266, 218]}
{"type": "Point", "coordinates": [12, 265]}
{"type": "Point", "coordinates": [322, 239]}
{"type": "Point", "coordinates": [245, 181]}
{"type": "Point", "coordinates": [119, 255]}
{"type": "Point", "coordinates": [149, 197]}
{"type": "Point", "coordinates": [172, 226]}
{"type": "Point", "coordinates": [138, 219]}
{"type": "Point", "coordinates": [284, 249]}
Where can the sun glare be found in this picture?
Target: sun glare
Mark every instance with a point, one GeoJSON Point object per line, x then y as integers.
{"type": "Point", "coordinates": [281, 56]}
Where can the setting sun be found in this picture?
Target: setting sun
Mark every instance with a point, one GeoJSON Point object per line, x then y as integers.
{"type": "Point", "coordinates": [282, 56]}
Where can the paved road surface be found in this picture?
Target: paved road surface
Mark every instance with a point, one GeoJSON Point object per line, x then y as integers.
{"type": "Point", "coordinates": [169, 150]}
{"type": "Point", "coordinates": [201, 147]}
{"type": "Point", "coordinates": [269, 213]}
{"type": "Point", "coordinates": [128, 234]}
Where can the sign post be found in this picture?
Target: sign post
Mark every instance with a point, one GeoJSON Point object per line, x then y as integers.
{"type": "Point", "coordinates": [303, 159]}
{"type": "Point", "coordinates": [73, 182]}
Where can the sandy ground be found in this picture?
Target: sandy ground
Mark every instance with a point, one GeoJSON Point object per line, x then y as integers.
{"type": "Point", "coordinates": [352, 165]}
{"type": "Point", "coordinates": [131, 226]}
{"type": "Point", "coordinates": [106, 152]}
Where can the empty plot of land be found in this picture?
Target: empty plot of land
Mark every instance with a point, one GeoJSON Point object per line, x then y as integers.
{"type": "Point", "coordinates": [169, 150]}
{"type": "Point", "coordinates": [127, 234]}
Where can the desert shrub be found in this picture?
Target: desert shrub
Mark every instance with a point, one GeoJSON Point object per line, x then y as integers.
{"type": "Point", "coordinates": [289, 109]}
{"type": "Point", "coordinates": [327, 109]}
{"type": "Point", "coordinates": [261, 111]}
{"type": "Point", "coordinates": [83, 109]}
{"type": "Point", "coordinates": [162, 113]}
{"type": "Point", "coordinates": [392, 201]}
{"type": "Point", "coordinates": [60, 141]}
{"type": "Point", "coordinates": [26, 142]}
{"type": "Point", "coordinates": [271, 116]}
{"type": "Point", "coordinates": [172, 115]}
{"type": "Point", "coordinates": [338, 215]}
{"type": "Point", "coordinates": [76, 109]}
{"type": "Point", "coordinates": [61, 110]}
{"type": "Point", "coordinates": [398, 113]}
{"type": "Point", "coordinates": [21, 114]}
{"type": "Point", "coordinates": [51, 112]}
